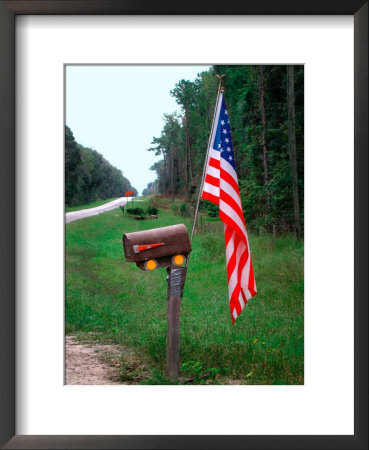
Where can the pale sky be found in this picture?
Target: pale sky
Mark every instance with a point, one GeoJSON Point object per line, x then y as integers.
{"type": "Point", "coordinates": [118, 109]}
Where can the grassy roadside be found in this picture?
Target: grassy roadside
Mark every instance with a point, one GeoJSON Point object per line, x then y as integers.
{"type": "Point", "coordinates": [89, 205]}
{"type": "Point", "coordinates": [109, 300]}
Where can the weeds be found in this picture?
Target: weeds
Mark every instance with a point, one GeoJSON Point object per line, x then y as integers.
{"type": "Point", "coordinates": [198, 374]}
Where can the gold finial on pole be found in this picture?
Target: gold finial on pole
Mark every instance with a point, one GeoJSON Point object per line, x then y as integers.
{"type": "Point", "coordinates": [220, 78]}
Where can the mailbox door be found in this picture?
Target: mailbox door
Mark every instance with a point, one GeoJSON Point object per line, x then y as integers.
{"type": "Point", "coordinates": [173, 240]}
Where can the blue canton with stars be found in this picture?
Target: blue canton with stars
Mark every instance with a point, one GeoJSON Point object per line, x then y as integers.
{"type": "Point", "coordinates": [223, 139]}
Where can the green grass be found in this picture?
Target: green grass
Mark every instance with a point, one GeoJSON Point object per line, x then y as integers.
{"type": "Point", "coordinates": [89, 205]}
{"type": "Point", "coordinates": [110, 300]}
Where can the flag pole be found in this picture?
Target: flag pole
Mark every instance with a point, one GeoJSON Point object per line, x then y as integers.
{"type": "Point", "coordinates": [220, 78]}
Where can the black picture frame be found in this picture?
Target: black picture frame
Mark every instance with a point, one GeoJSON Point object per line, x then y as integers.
{"type": "Point", "coordinates": [8, 11]}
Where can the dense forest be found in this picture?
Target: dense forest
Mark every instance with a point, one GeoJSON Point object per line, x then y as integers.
{"type": "Point", "coordinates": [88, 176]}
{"type": "Point", "coordinates": [266, 110]}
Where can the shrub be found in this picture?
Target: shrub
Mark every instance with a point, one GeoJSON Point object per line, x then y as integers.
{"type": "Point", "coordinates": [213, 210]}
{"type": "Point", "coordinates": [208, 207]}
{"type": "Point", "coordinates": [199, 373]}
{"type": "Point", "coordinates": [158, 201]}
{"type": "Point", "coordinates": [136, 211]}
{"type": "Point", "coordinates": [151, 210]}
{"type": "Point", "coordinates": [183, 210]}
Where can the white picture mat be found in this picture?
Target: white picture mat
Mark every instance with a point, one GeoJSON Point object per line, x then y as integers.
{"type": "Point", "coordinates": [324, 405]}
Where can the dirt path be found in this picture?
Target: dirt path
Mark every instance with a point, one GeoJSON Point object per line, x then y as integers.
{"type": "Point", "coordinates": [90, 363]}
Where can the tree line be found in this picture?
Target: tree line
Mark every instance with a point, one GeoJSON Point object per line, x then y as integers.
{"type": "Point", "coordinates": [89, 176]}
{"type": "Point", "coordinates": [266, 109]}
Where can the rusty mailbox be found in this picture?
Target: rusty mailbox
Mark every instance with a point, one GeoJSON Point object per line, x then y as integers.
{"type": "Point", "coordinates": [159, 247]}
{"type": "Point", "coordinates": [164, 247]}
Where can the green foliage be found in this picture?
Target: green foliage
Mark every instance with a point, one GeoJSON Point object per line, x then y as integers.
{"type": "Point", "coordinates": [135, 211]}
{"type": "Point", "coordinates": [199, 374]}
{"type": "Point", "coordinates": [89, 176]}
{"type": "Point", "coordinates": [157, 201]}
{"type": "Point", "coordinates": [213, 210]}
{"type": "Point", "coordinates": [184, 210]}
{"type": "Point", "coordinates": [268, 205]}
{"type": "Point", "coordinates": [72, 164]}
{"type": "Point", "coordinates": [151, 210]}
{"type": "Point", "coordinates": [253, 202]}
{"type": "Point", "coordinates": [148, 190]}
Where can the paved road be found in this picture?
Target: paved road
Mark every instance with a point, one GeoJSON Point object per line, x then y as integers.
{"type": "Point", "coordinates": [81, 214]}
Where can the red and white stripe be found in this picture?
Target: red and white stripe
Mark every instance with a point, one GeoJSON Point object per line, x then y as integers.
{"type": "Point", "coordinates": [221, 187]}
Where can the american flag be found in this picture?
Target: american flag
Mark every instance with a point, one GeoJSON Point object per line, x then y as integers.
{"type": "Point", "coordinates": [221, 187]}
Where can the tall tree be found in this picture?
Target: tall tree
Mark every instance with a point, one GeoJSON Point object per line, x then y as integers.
{"type": "Point", "coordinates": [89, 176]}
{"type": "Point", "coordinates": [185, 95]}
{"type": "Point", "coordinates": [257, 105]}
{"type": "Point", "coordinates": [263, 140]}
{"type": "Point", "coordinates": [292, 147]}
{"type": "Point", "coordinates": [166, 146]}
{"type": "Point", "coordinates": [72, 167]}
{"type": "Point", "coordinates": [172, 170]}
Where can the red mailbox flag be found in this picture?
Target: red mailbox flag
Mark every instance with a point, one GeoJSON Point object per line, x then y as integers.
{"type": "Point", "coordinates": [221, 187]}
{"type": "Point", "coordinates": [141, 248]}
{"type": "Point", "coordinates": [128, 193]}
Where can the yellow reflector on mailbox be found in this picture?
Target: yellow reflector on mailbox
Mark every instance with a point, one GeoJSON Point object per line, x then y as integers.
{"type": "Point", "coordinates": [178, 260]}
{"type": "Point", "coordinates": [151, 264]}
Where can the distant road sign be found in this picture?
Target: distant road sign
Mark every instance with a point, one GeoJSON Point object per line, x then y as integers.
{"type": "Point", "coordinates": [128, 193]}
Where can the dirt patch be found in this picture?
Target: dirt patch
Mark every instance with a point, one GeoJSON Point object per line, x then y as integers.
{"type": "Point", "coordinates": [232, 382]}
{"type": "Point", "coordinates": [91, 364]}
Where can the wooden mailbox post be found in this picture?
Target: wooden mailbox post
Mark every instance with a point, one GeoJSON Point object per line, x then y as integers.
{"type": "Point", "coordinates": [164, 247]}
